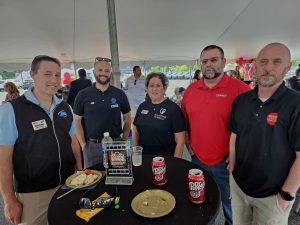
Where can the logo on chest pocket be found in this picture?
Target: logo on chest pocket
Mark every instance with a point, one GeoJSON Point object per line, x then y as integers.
{"type": "Point", "coordinates": [113, 103]}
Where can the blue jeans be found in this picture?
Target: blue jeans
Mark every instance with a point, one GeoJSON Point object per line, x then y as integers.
{"type": "Point", "coordinates": [221, 176]}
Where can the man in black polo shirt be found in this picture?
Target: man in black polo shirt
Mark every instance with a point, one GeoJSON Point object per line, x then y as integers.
{"type": "Point", "coordinates": [101, 105]}
{"type": "Point", "coordinates": [265, 144]}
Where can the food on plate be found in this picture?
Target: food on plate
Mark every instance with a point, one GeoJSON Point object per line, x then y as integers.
{"type": "Point", "coordinates": [83, 178]}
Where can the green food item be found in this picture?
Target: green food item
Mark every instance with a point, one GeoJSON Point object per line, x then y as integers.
{"type": "Point", "coordinates": [117, 206]}
{"type": "Point", "coordinates": [117, 200]}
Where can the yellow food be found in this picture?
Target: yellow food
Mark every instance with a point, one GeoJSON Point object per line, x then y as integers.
{"type": "Point", "coordinates": [82, 179]}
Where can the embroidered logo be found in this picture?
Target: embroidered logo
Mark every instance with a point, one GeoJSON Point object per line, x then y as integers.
{"type": "Point", "coordinates": [162, 111]}
{"type": "Point", "coordinates": [114, 103]}
{"type": "Point", "coordinates": [272, 118]}
{"type": "Point", "coordinates": [221, 95]}
{"type": "Point", "coordinates": [62, 114]}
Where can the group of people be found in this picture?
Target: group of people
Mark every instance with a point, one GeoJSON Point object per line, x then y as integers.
{"type": "Point", "coordinates": [248, 140]}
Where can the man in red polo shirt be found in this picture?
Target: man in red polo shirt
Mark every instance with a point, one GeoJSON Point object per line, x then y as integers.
{"type": "Point", "coordinates": [206, 106]}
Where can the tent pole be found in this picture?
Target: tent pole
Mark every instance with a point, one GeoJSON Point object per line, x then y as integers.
{"type": "Point", "coordinates": [113, 41]}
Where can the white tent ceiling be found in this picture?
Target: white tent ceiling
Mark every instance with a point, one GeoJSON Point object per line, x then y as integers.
{"type": "Point", "coordinates": [148, 30]}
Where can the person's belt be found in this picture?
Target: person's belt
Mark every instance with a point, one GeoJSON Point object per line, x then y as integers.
{"type": "Point", "coordinates": [98, 141]}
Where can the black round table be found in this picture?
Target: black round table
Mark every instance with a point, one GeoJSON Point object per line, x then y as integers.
{"type": "Point", "coordinates": [62, 211]}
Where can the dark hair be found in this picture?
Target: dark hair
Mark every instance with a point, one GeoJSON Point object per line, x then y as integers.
{"type": "Point", "coordinates": [40, 58]}
{"type": "Point", "coordinates": [210, 47]}
{"type": "Point", "coordinates": [82, 73]}
{"type": "Point", "coordinates": [135, 67]}
{"type": "Point", "coordinates": [196, 75]}
{"type": "Point", "coordinates": [163, 78]}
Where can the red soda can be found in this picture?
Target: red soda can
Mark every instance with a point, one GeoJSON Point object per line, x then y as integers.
{"type": "Point", "coordinates": [159, 176]}
{"type": "Point", "coordinates": [196, 186]}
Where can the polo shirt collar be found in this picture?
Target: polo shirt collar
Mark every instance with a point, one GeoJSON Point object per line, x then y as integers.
{"type": "Point", "coordinates": [278, 93]}
{"type": "Point", "coordinates": [222, 83]}
{"type": "Point", "coordinates": [55, 101]}
{"type": "Point", "coordinates": [30, 97]}
{"type": "Point", "coordinates": [98, 90]}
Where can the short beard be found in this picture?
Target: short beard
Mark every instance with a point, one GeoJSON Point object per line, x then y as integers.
{"type": "Point", "coordinates": [98, 79]}
{"type": "Point", "coordinates": [217, 74]}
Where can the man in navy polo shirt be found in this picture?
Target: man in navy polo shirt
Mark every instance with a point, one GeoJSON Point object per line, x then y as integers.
{"type": "Point", "coordinates": [101, 106]}
{"type": "Point", "coordinates": [265, 144]}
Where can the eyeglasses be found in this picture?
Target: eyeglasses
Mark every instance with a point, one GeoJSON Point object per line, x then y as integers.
{"type": "Point", "coordinates": [99, 59]}
{"type": "Point", "coordinates": [213, 60]}
{"type": "Point", "coordinates": [134, 82]}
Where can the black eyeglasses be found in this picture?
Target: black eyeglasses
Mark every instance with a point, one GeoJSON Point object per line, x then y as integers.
{"type": "Point", "coordinates": [134, 82]}
{"type": "Point", "coordinates": [98, 59]}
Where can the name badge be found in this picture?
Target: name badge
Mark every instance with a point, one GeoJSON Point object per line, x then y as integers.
{"type": "Point", "coordinates": [145, 111]}
{"type": "Point", "coordinates": [40, 124]}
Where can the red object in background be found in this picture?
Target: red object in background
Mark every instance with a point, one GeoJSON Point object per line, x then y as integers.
{"type": "Point", "coordinates": [249, 67]}
{"type": "Point", "coordinates": [67, 79]}
{"type": "Point", "coordinates": [196, 186]}
{"type": "Point", "coordinates": [159, 176]}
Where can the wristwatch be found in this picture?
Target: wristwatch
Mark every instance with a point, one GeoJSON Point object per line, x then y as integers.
{"type": "Point", "coordinates": [286, 195]}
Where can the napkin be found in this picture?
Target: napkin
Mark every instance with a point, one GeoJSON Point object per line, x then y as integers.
{"type": "Point", "coordinates": [87, 214]}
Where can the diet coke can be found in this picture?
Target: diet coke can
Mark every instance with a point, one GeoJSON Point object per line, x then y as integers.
{"type": "Point", "coordinates": [159, 176]}
{"type": "Point", "coordinates": [196, 186]}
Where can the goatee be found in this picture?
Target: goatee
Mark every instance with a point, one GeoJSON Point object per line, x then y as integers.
{"type": "Point", "coordinates": [103, 82]}
{"type": "Point", "coordinates": [213, 77]}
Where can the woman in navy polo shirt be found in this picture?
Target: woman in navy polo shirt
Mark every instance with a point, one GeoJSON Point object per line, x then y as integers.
{"type": "Point", "coordinates": [159, 126]}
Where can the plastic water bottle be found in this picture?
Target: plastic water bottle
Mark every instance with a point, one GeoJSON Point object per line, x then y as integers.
{"type": "Point", "coordinates": [107, 140]}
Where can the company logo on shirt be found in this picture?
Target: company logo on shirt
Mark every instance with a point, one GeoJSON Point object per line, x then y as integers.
{"type": "Point", "coordinates": [62, 114]}
{"type": "Point", "coordinates": [162, 111]}
{"type": "Point", "coordinates": [272, 118]}
{"type": "Point", "coordinates": [113, 103]}
{"type": "Point", "coordinates": [221, 95]}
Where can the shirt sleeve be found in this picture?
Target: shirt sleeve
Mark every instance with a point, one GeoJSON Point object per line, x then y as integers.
{"type": "Point", "coordinates": [8, 128]}
{"type": "Point", "coordinates": [125, 107]}
{"type": "Point", "coordinates": [79, 104]}
{"type": "Point", "coordinates": [178, 121]}
{"type": "Point", "coordinates": [137, 115]}
{"type": "Point", "coordinates": [232, 126]}
{"type": "Point", "coordinates": [294, 130]}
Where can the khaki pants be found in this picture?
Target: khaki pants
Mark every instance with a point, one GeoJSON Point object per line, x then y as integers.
{"type": "Point", "coordinates": [256, 211]}
{"type": "Point", "coordinates": [35, 206]}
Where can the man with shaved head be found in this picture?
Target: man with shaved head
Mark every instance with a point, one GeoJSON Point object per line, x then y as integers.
{"type": "Point", "coordinates": [265, 144]}
{"type": "Point", "coordinates": [101, 106]}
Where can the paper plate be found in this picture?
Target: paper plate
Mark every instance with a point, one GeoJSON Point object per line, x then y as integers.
{"type": "Point", "coordinates": [70, 178]}
{"type": "Point", "coordinates": [153, 203]}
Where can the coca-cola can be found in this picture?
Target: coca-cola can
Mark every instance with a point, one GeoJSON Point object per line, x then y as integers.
{"type": "Point", "coordinates": [196, 186]}
{"type": "Point", "coordinates": [159, 176]}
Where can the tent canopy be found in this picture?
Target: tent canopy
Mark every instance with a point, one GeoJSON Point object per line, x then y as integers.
{"type": "Point", "coordinates": [150, 32]}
